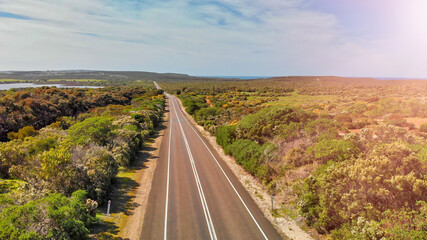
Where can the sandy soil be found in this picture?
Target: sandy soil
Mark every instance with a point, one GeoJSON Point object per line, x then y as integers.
{"type": "Point", "coordinates": [417, 121]}
{"type": "Point", "coordinates": [288, 228]}
{"type": "Point", "coordinates": [355, 130]}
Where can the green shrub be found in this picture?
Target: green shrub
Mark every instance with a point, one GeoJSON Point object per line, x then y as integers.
{"type": "Point", "coordinates": [193, 103]}
{"type": "Point", "coordinates": [251, 156]}
{"type": "Point", "coordinates": [289, 131]}
{"type": "Point", "coordinates": [95, 129]}
{"type": "Point", "coordinates": [343, 118]}
{"type": "Point", "coordinates": [335, 150]}
{"type": "Point", "coordinates": [43, 144]}
{"type": "Point", "coordinates": [423, 128]}
{"type": "Point", "coordinates": [226, 136]}
{"type": "Point", "coordinates": [131, 128]}
{"type": "Point", "coordinates": [22, 133]}
{"type": "Point", "coordinates": [322, 128]}
{"type": "Point", "coordinates": [389, 178]}
{"type": "Point", "coordinates": [53, 217]}
{"type": "Point", "coordinates": [261, 125]}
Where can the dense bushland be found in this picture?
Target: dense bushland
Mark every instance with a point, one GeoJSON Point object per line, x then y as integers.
{"type": "Point", "coordinates": [51, 217]}
{"type": "Point", "coordinates": [40, 107]}
{"type": "Point", "coordinates": [49, 176]}
{"type": "Point", "coordinates": [390, 178]}
{"type": "Point", "coordinates": [370, 183]}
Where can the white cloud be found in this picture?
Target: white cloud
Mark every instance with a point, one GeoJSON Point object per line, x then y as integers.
{"type": "Point", "coordinates": [224, 37]}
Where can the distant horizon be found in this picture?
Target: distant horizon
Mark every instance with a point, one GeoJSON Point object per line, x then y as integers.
{"type": "Point", "coordinates": [243, 77]}
{"type": "Point", "coordinates": [256, 77]}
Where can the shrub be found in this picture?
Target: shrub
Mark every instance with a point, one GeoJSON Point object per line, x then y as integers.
{"type": "Point", "coordinates": [344, 119]}
{"type": "Point", "coordinates": [423, 128]}
{"type": "Point", "coordinates": [24, 132]}
{"type": "Point", "coordinates": [262, 124]}
{"type": "Point", "coordinates": [251, 156]}
{"type": "Point", "coordinates": [289, 131]}
{"type": "Point", "coordinates": [335, 150]}
{"type": "Point", "coordinates": [389, 178]}
{"type": "Point", "coordinates": [193, 103]}
{"type": "Point", "coordinates": [226, 135]}
{"type": "Point", "coordinates": [53, 217]}
{"type": "Point", "coordinates": [43, 144]}
{"type": "Point", "coordinates": [95, 129]}
{"type": "Point", "coordinates": [322, 128]}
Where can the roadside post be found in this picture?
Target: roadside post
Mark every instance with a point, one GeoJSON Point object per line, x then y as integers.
{"type": "Point", "coordinates": [272, 202]}
{"type": "Point", "coordinates": [108, 208]}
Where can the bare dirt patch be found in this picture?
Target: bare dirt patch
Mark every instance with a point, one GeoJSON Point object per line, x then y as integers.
{"type": "Point", "coordinates": [355, 130]}
{"type": "Point", "coordinates": [416, 121]}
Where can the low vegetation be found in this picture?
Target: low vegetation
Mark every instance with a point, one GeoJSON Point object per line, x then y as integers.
{"type": "Point", "coordinates": [340, 152]}
{"type": "Point", "coordinates": [53, 177]}
{"type": "Point", "coordinates": [346, 155]}
{"type": "Point", "coordinates": [42, 106]}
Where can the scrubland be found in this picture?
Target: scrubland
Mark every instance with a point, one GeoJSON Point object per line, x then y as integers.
{"type": "Point", "coordinates": [61, 151]}
{"type": "Point", "coordinates": [346, 156]}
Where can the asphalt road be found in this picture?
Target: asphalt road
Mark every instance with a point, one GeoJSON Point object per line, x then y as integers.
{"type": "Point", "coordinates": [194, 194]}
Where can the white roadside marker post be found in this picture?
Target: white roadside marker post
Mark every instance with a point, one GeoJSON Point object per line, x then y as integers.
{"type": "Point", "coordinates": [272, 206]}
{"type": "Point", "coordinates": [108, 208]}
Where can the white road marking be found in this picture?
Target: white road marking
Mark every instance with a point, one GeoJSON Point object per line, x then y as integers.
{"type": "Point", "coordinates": [241, 199]}
{"type": "Point", "coordinates": [208, 218]}
{"type": "Point", "coordinates": [167, 181]}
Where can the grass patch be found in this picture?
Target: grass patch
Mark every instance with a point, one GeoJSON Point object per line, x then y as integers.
{"type": "Point", "coordinates": [77, 80]}
{"type": "Point", "coordinates": [121, 203]}
{"type": "Point", "coordinates": [12, 80]}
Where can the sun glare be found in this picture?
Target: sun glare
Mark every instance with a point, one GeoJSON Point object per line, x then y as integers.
{"type": "Point", "coordinates": [414, 18]}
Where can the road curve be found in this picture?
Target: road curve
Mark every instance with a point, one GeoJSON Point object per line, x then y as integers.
{"type": "Point", "coordinates": [194, 194]}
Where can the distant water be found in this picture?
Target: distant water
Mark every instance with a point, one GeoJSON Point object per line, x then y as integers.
{"type": "Point", "coordinates": [239, 77]}
{"type": "Point", "coordinates": [391, 78]}
{"type": "Point", "coordinates": [7, 86]}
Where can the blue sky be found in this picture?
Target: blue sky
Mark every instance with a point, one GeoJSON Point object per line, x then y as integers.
{"type": "Point", "coordinates": [223, 37]}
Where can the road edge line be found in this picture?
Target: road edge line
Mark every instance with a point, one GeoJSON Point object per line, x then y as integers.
{"type": "Point", "coordinates": [235, 190]}
{"type": "Point", "coordinates": [208, 218]}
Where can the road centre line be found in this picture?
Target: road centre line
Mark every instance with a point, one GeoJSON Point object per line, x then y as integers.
{"type": "Point", "coordinates": [208, 218]}
{"type": "Point", "coordinates": [235, 190]}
